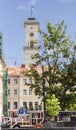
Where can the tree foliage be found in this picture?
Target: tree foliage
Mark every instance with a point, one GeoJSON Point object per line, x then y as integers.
{"type": "Point", "coordinates": [53, 106]}
{"type": "Point", "coordinates": [57, 66]}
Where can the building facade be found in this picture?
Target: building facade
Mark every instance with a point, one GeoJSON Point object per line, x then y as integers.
{"type": "Point", "coordinates": [31, 40]}
{"type": "Point", "coordinates": [19, 94]}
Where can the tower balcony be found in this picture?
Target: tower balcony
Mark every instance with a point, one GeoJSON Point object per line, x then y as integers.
{"type": "Point", "coordinates": [30, 48]}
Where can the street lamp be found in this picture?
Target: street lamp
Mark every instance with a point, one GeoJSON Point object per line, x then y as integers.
{"type": "Point", "coordinates": [5, 101]}
{"type": "Point", "coordinates": [43, 89]}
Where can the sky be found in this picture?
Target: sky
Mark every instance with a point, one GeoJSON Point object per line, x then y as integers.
{"type": "Point", "coordinates": [13, 14]}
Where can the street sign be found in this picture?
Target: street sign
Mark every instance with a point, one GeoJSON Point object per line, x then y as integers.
{"type": "Point", "coordinates": [27, 112]}
{"type": "Point", "coordinates": [21, 111]}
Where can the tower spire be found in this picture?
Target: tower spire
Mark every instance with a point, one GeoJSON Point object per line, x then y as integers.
{"type": "Point", "coordinates": [31, 47]}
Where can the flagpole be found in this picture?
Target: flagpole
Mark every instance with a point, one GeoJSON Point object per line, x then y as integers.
{"type": "Point", "coordinates": [31, 10]}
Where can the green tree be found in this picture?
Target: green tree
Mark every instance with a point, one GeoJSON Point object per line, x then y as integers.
{"type": "Point", "coordinates": [55, 60]}
{"type": "Point", "coordinates": [52, 106]}
{"type": "Point", "coordinates": [68, 87]}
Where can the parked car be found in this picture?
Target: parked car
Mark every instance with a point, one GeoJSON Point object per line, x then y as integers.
{"type": "Point", "coordinates": [6, 122]}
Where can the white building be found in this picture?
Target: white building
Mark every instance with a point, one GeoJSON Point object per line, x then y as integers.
{"type": "Point", "coordinates": [19, 94]}
{"type": "Point", "coordinates": [31, 40]}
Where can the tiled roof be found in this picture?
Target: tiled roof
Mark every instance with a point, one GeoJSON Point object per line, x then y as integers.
{"type": "Point", "coordinates": [16, 70]}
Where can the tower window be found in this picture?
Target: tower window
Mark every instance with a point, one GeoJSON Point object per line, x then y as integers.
{"type": "Point", "coordinates": [31, 27]}
{"type": "Point", "coordinates": [31, 45]}
{"type": "Point", "coordinates": [31, 34]}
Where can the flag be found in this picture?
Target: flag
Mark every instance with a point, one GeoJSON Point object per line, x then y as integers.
{"type": "Point", "coordinates": [32, 8]}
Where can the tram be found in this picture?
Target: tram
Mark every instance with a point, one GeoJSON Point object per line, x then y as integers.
{"type": "Point", "coordinates": [67, 116]}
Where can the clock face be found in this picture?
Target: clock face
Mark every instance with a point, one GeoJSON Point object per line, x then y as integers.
{"type": "Point", "coordinates": [31, 34]}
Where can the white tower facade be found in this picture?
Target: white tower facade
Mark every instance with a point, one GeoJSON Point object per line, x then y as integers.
{"type": "Point", "coordinates": [31, 40]}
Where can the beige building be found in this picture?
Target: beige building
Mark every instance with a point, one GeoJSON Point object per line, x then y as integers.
{"type": "Point", "coordinates": [31, 26]}
{"type": "Point", "coordinates": [19, 94]}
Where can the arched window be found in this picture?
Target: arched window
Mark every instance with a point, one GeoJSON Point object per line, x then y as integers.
{"type": "Point", "coordinates": [31, 44]}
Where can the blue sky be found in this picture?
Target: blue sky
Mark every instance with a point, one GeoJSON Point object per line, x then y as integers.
{"type": "Point", "coordinates": [13, 13]}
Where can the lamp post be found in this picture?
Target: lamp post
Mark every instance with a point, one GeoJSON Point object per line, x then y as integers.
{"type": "Point", "coordinates": [43, 89]}
{"type": "Point", "coordinates": [5, 101]}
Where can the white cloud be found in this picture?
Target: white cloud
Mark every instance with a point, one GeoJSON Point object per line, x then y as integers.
{"type": "Point", "coordinates": [32, 2]}
{"type": "Point", "coordinates": [21, 7]}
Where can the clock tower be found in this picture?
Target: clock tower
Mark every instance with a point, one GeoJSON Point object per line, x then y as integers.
{"type": "Point", "coordinates": [31, 40]}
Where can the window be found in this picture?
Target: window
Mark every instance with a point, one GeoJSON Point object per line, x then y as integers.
{"type": "Point", "coordinates": [31, 27]}
{"type": "Point", "coordinates": [30, 80]}
{"type": "Point", "coordinates": [31, 45]}
{"type": "Point", "coordinates": [24, 81]}
{"type": "Point", "coordinates": [15, 92]}
{"type": "Point", "coordinates": [30, 91]}
{"type": "Point", "coordinates": [36, 105]}
{"type": "Point", "coordinates": [8, 81]}
{"type": "Point", "coordinates": [30, 105]}
{"type": "Point", "coordinates": [25, 105]}
{"type": "Point", "coordinates": [31, 34]}
{"type": "Point", "coordinates": [9, 105]}
{"type": "Point", "coordinates": [15, 105]}
{"type": "Point", "coordinates": [24, 92]}
{"type": "Point", "coordinates": [8, 92]}
{"type": "Point", "coordinates": [15, 81]}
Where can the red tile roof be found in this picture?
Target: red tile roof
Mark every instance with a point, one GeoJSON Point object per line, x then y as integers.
{"type": "Point", "coordinates": [16, 70]}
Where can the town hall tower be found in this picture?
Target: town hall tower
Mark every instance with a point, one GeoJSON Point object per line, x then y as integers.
{"type": "Point", "coordinates": [31, 40]}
